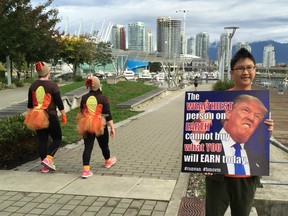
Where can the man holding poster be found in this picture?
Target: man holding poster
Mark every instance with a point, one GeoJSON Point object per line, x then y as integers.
{"type": "Point", "coordinates": [222, 150]}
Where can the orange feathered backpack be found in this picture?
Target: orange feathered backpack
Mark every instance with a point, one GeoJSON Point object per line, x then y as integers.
{"type": "Point", "coordinates": [37, 118]}
{"type": "Point", "coordinates": [91, 122]}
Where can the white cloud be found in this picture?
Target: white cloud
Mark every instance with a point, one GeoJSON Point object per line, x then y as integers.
{"type": "Point", "coordinates": [256, 19]}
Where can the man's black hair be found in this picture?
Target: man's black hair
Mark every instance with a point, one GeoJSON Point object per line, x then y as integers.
{"type": "Point", "coordinates": [241, 54]}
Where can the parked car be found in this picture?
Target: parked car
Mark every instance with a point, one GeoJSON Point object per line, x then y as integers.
{"type": "Point", "coordinates": [145, 75]}
{"type": "Point", "coordinates": [64, 76]}
{"type": "Point", "coordinates": [100, 76]}
{"type": "Point", "coordinates": [129, 75]}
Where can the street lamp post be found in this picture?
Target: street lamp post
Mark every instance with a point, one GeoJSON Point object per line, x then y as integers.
{"type": "Point", "coordinates": [221, 67]}
{"type": "Point", "coordinates": [9, 71]}
{"type": "Point", "coordinates": [184, 46]}
{"type": "Point", "coordinates": [230, 36]}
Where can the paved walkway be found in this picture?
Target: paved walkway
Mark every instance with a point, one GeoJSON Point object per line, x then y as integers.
{"type": "Point", "coordinates": [14, 101]}
{"type": "Point", "coordinates": [146, 180]}
{"type": "Point", "coordinates": [10, 97]}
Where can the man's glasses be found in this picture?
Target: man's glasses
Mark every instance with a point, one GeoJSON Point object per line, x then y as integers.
{"type": "Point", "coordinates": [241, 69]}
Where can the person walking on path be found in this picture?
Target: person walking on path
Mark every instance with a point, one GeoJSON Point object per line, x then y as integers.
{"type": "Point", "coordinates": [43, 99]}
{"type": "Point", "coordinates": [238, 191]}
{"type": "Point", "coordinates": [196, 82]}
{"type": "Point", "coordinates": [91, 123]}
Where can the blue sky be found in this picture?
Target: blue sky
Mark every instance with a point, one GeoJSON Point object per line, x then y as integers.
{"type": "Point", "coordinates": [257, 19]}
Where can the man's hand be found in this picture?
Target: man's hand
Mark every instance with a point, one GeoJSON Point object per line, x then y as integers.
{"type": "Point", "coordinates": [270, 123]}
{"type": "Point", "coordinates": [112, 132]}
{"type": "Point", "coordinates": [208, 174]}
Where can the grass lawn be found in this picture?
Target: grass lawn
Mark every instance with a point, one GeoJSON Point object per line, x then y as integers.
{"type": "Point", "coordinates": [70, 87]}
{"type": "Point", "coordinates": [116, 93]}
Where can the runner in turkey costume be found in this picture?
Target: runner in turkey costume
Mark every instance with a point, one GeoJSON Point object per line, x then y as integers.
{"type": "Point", "coordinates": [91, 124]}
{"type": "Point", "coordinates": [43, 99]}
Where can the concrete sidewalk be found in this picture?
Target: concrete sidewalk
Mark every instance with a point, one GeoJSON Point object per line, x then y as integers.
{"type": "Point", "coordinates": [10, 97]}
{"type": "Point", "coordinates": [146, 180]}
{"type": "Point", "coordinates": [14, 101]}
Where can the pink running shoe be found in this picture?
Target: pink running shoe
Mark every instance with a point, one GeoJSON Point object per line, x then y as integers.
{"type": "Point", "coordinates": [44, 170]}
{"type": "Point", "coordinates": [48, 164]}
{"type": "Point", "coordinates": [110, 162]}
{"type": "Point", "coordinates": [86, 174]}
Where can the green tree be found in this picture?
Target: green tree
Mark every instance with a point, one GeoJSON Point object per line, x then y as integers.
{"type": "Point", "coordinates": [27, 33]}
{"type": "Point", "coordinates": [103, 54]}
{"type": "Point", "coordinates": [45, 43]}
{"type": "Point", "coordinates": [155, 66]}
{"type": "Point", "coordinates": [77, 50]}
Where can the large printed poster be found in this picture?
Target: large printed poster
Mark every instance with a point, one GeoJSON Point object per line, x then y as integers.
{"type": "Point", "coordinates": [224, 132]}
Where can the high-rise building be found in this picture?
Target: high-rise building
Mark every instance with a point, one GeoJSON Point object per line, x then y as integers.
{"type": "Point", "coordinates": [269, 56]}
{"type": "Point", "coordinates": [118, 37]}
{"type": "Point", "coordinates": [191, 46]}
{"type": "Point", "coordinates": [149, 40]}
{"type": "Point", "coordinates": [137, 37]}
{"type": "Point", "coordinates": [222, 52]}
{"type": "Point", "coordinates": [243, 45]}
{"type": "Point", "coordinates": [202, 44]}
{"type": "Point", "coordinates": [169, 36]}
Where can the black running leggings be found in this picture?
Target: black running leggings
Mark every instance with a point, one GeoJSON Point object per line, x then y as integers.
{"type": "Point", "coordinates": [54, 130]}
{"type": "Point", "coordinates": [103, 141]}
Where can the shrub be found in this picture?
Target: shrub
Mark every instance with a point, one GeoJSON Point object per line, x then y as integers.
{"type": "Point", "coordinates": [3, 85]}
{"type": "Point", "coordinates": [223, 85]}
{"type": "Point", "coordinates": [21, 146]}
{"type": "Point", "coordinates": [18, 83]}
{"type": "Point", "coordinates": [15, 83]}
{"type": "Point", "coordinates": [12, 86]}
{"type": "Point", "coordinates": [78, 78]}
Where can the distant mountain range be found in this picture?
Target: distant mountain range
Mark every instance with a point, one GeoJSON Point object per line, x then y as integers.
{"type": "Point", "coordinates": [281, 51]}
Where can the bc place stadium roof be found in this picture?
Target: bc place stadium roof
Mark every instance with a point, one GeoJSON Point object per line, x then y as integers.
{"type": "Point", "coordinates": [154, 56]}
